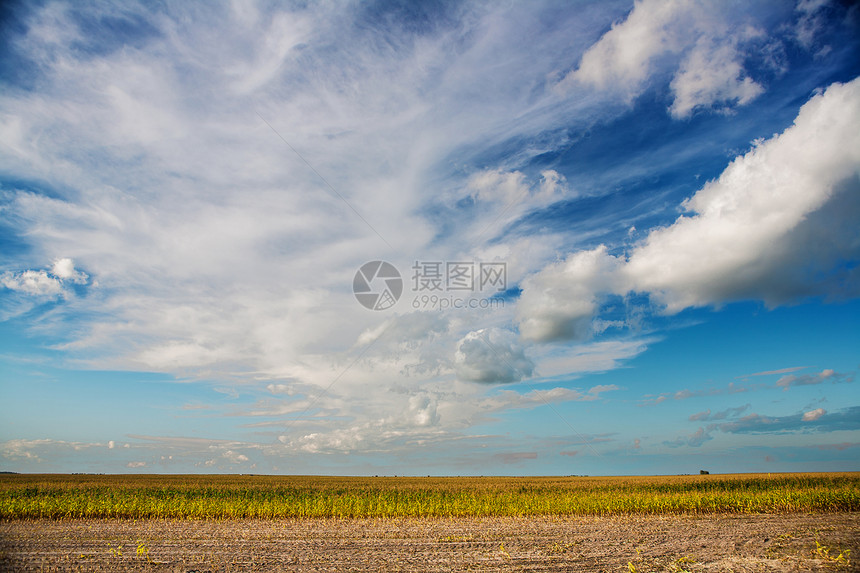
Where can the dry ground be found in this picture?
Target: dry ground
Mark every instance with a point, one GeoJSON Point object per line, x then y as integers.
{"type": "Point", "coordinates": [619, 543]}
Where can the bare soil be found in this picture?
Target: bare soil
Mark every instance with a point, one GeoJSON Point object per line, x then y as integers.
{"type": "Point", "coordinates": [618, 543]}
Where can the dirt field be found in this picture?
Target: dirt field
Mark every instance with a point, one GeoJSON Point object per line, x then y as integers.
{"type": "Point", "coordinates": [648, 543]}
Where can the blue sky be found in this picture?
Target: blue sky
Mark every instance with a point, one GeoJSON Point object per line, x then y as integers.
{"type": "Point", "coordinates": [664, 196]}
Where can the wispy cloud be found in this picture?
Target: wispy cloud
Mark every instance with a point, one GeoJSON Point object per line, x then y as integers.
{"type": "Point", "coordinates": [837, 447]}
{"type": "Point", "coordinates": [516, 457]}
{"type": "Point", "coordinates": [772, 372]}
{"type": "Point", "coordinates": [722, 415]}
{"type": "Point", "coordinates": [816, 420]}
{"type": "Point", "coordinates": [694, 440]}
{"type": "Point", "coordinates": [789, 380]}
{"type": "Point", "coordinates": [730, 388]}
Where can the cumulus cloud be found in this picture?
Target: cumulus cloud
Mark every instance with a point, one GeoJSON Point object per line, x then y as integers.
{"type": "Point", "coordinates": [422, 410]}
{"type": "Point", "coordinates": [31, 287]}
{"type": "Point", "coordinates": [38, 283]}
{"type": "Point", "coordinates": [23, 449]}
{"type": "Point", "coordinates": [64, 269]}
{"type": "Point", "coordinates": [622, 57]}
{"type": "Point", "coordinates": [775, 226]}
{"type": "Point", "coordinates": [560, 301]}
{"type": "Point", "coordinates": [743, 237]}
{"type": "Point", "coordinates": [813, 415]}
{"type": "Point", "coordinates": [234, 457]}
{"type": "Point", "coordinates": [702, 41]}
{"type": "Point", "coordinates": [491, 356]}
{"type": "Point", "coordinates": [711, 76]}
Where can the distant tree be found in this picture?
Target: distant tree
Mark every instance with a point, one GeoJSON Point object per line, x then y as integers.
{"type": "Point", "coordinates": [704, 472]}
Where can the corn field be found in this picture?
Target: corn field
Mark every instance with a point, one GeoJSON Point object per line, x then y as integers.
{"type": "Point", "coordinates": [234, 497]}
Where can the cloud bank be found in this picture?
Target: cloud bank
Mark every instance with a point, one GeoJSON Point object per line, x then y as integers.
{"type": "Point", "coordinates": [774, 226]}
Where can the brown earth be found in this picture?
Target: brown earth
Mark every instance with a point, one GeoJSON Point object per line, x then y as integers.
{"type": "Point", "coordinates": [618, 543]}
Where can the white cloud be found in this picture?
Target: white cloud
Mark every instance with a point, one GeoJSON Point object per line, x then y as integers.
{"type": "Point", "coordinates": [495, 185]}
{"type": "Point", "coordinates": [422, 410]}
{"type": "Point", "coordinates": [754, 228]}
{"type": "Point", "coordinates": [699, 39]}
{"type": "Point", "coordinates": [44, 450]}
{"type": "Point", "coordinates": [280, 389]}
{"type": "Point", "coordinates": [281, 37]}
{"type": "Point", "coordinates": [773, 227]}
{"type": "Point", "coordinates": [215, 247]}
{"type": "Point", "coordinates": [813, 415]}
{"type": "Point", "coordinates": [64, 269]}
{"type": "Point", "coordinates": [811, 23]}
{"type": "Point", "coordinates": [622, 57]}
{"type": "Point", "coordinates": [710, 76]}
{"type": "Point", "coordinates": [491, 356]}
{"type": "Point", "coordinates": [234, 457]}
{"type": "Point", "coordinates": [23, 449]}
{"type": "Point", "coordinates": [512, 189]}
{"type": "Point", "coordinates": [587, 357]}
{"type": "Point", "coordinates": [220, 255]}
{"type": "Point", "coordinates": [38, 283]}
{"type": "Point", "coordinates": [559, 302]}
{"type": "Point", "coordinates": [600, 388]}
{"type": "Point", "coordinates": [507, 399]}
{"type": "Point", "coordinates": [491, 199]}
{"type": "Point", "coordinates": [44, 283]}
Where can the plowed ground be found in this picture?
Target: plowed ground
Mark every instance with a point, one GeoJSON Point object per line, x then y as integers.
{"type": "Point", "coordinates": [619, 543]}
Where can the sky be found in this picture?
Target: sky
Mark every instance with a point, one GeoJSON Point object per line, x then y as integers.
{"type": "Point", "coordinates": [436, 238]}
